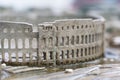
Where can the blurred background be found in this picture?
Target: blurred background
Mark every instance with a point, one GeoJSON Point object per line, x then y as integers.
{"type": "Point", "coordinates": [38, 11]}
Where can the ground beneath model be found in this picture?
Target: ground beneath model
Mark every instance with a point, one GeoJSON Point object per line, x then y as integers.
{"type": "Point", "coordinates": [98, 72]}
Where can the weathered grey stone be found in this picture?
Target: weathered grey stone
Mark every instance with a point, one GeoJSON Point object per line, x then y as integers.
{"type": "Point", "coordinates": [59, 42]}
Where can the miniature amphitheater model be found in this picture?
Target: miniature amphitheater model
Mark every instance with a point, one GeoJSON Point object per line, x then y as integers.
{"type": "Point", "coordinates": [54, 43]}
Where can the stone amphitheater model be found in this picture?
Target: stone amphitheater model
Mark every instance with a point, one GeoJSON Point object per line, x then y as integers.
{"type": "Point", "coordinates": [54, 43]}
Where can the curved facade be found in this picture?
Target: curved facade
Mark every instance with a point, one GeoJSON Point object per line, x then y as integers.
{"type": "Point", "coordinates": [71, 41]}
{"type": "Point", "coordinates": [59, 42]}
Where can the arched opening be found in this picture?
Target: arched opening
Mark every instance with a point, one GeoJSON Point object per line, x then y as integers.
{"type": "Point", "coordinates": [89, 51]}
{"type": "Point", "coordinates": [6, 56]}
{"type": "Point", "coordinates": [62, 42]}
{"type": "Point", "coordinates": [85, 51]}
{"type": "Point", "coordinates": [92, 37]}
{"type": "Point", "coordinates": [82, 26]}
{"type": "Point", "coordinates": [56, 27]}
{"type": "Point", "coordinates": [72, 40]}
{"type": "Point", "coordinates": [34, 43]}
{"type": "Point", "coordinates": [62, 55]}
{"type": "Point", "coordinates": [27, 43]}
{"type": "Point", "coordinates": [77, 53]}
{"type": "Point", "coordinates": [20, 43]}
{"type": "Point", "coordinates": [95, 36]}
{"type": "Point", "coordinates": [34, 56]}
{"type": "Point", "coordinates": [6, 44]}
{"type": "Point", "coordinates": [77, 27]}
{"type": "Point", "coordinates": [56, 41]}
{"type": "Point", "coordinates": [44, 41]}
{"type": "Point", "coordinates": [73, 26]}
{"type": "Point", "coordinates": [62, 28]}
{"type": "Point", "coordinates": [72, 53]}
{"type": "Point", "coordinates": [67, 42]}
{"type": "Point", "coordinates": [57, 55]}
{"type": "Point", "coordinates": [50, 41]}
{"type": "Point", "coordinates": [27, 57]}
{"type": "Point", "coordinates": [12, 44]}
{"type": "Point", "coordinates": [20, 56]}
{"type": "Point", "coordinates": [89, 38]}
{"type": "Point", "coordinates": [77, 40]}
{"type": "Point", "coordinates": [51, 55]}
{"type": "Point", "coordinates": [86, 39]}
{"type": "Point", "coordinates": [81, 52]}
{"type": "Point", "coordinates": [44, 55]}
{"type": "Point", "coordinates": [67, 54]}
{"type": "Point", "coordinates": [67, 27]}
{"type": "Point", "coordinates": [92, 50]}
{"type": "Point", "coordinates": [82, 39]}
{"type": "Point", "coordinates": [13, 56]}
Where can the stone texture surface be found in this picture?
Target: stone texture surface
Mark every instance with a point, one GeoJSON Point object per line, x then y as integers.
{"type": "Point", "coordinates": [59, 42]}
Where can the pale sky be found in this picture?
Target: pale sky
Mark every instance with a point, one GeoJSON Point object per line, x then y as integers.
{"type": "Point", "coordinates": [56, 5]}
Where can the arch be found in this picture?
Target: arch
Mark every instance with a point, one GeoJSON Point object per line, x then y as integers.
{"type": "Point", "coordinates": [85, 51]}
{"type": "Point", "coordinates": [73, 26]}
{"type": "Point", "coordinates": [56, 27]}
{"type": "Point", "coordinates": [62, 42]}
{"type": "Point", "coordinates": [92, 37]}
{"type": "Point", "coordinates": [82, 39]}
{"type": "Point", "coordinates": [89, 51]}
{"type": "Point", "coordinates": [92, 50]}
{"type": "Point", "coordinates": [72, 40]}
{"type": "Point", "coordinates": [82, 26]}
{"type": "Point", "coordinates": [67, 42]}
{"type": "Point", "coordinates": [27, 44]}
{"type": "Point", "coordinates": [34, 43]}
{"type": "Point", "coordinates": [77, 53]}
{"type": "Point", "coordinates": [20, 43]}
{"type": "Point", "coordinates": [95, 50]}
{"type": "Point", "coordinates": [44, 56]}
{"type": "Point", "coordinates": [57, 55]}
{"type": "Point", "coordinates": [62, 54]}
{"type": "Point", "coordinates": [20, 56]}
{"type": "Point", "coordinates": [6, 56]}
{"type": "Point", "coordinates": [77, 40]}
{"type": "Point", "coordinates": [51, 55]}
{"type": "Point", "coordinates": [81, 51]}
{"type": "Point", "coordinates": [77, 27]}
{"type": "Point", "coordinates": [67, 54]}
{"type": "Point", "coordinates": [13, 56]}
{"type": "Point", "coordinates": [44, 41]}
{"type": "Point", "coordinates": [50, 41]}
{"type": "Point", "coordinates": [72, 53]}
{"type": "Point", "coordinates": [12, 44]}
{"type": "Point", "coordinates": [56, 41]}
{"type": "Point", "coordinates": [62, 28]}
{"type": "Point", "coordinates": [95, 36]}
{"type": "Point", "coordinates": [67, 27]}
{"type": "Point", "coordinates": [86, 39]}
{"type": "Point", "coordinates": [89, 38]}
{"type": "Point", "coordinates": [27, 56]}
{"type": "Point", "coordinates": [34, 56]}
{"type": "Point", "coordinates": [6, 44]}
